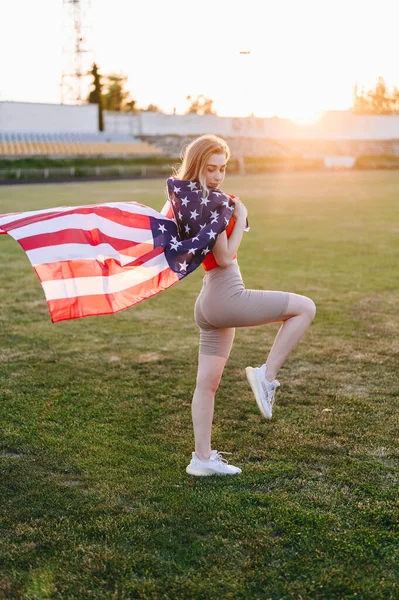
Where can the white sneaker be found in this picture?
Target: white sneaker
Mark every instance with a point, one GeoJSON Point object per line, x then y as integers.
{"type": "Point", "coordinates": [263, 390]}
{"type": "Point", "coordinates": [215, 465]}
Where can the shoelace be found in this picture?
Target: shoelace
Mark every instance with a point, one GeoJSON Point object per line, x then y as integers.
{"type": "Point", "coordinates": [270, 391]}
{"type": "Point", "coordinates": [221, 458]}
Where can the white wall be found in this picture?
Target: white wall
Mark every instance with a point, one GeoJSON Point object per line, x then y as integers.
{"type": "Point", "coordinates": [347, 126]}
{"type": "Point", "coordinates": [48, 118]}
{"type": "Point", "coordinates": [331, 126]}
{"type": "Point", "coordinates": [121, 122]}
{"type": "Point", "coordinates": [191, 124]}
{"type": "Point", "coordinates": [57, 118]}
{"type": "Point", "coordinates": [148, 123]}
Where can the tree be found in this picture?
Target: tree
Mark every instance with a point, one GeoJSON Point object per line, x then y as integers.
{"type": "Point", "coordinates": [95, 96]}
{"type": "Point", "coordinates": [116, 97]}
{"type": "Point", "coordinates": [152, 108]}
{"type": "Point", "coordinates": [360, 102]}
{"type": "Point", "coordinates": [377, 101]}
{"type": "Point", "coordinates": [200, 105]}
{"type": "Point", "coordinates": [396, 98]}
{"type": "Point", "coordinates": [131, 105]}
{"type": "Point", "coordinates": [382, 102]}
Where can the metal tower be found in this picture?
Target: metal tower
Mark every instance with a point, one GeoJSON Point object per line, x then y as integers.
{"type": "Point", "coordinates": [75, 53]}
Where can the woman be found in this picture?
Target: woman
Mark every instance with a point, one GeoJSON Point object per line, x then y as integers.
{"type": "Point", "coordinates": [224, 304]}
{"type": "Point", "coordinates": [100, 259]}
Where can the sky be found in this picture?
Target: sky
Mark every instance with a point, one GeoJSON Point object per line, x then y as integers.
{"type": "Point", "coordinates": [305, 56]}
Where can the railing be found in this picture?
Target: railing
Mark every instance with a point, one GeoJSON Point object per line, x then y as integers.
{"type": "Point", "coordinates": [71, 173]}
{"type": "Point", "coordinates": [248, 166]}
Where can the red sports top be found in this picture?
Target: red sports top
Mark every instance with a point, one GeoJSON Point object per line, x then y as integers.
{"type": "Point", "coordinates": [209, 261]}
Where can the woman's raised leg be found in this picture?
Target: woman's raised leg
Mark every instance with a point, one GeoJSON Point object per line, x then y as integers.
{"type": "Point", "coordinates": [298, 316]}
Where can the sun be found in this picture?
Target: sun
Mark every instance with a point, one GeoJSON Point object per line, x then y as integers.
{"type": "Point", "coordinates": [307, 117]}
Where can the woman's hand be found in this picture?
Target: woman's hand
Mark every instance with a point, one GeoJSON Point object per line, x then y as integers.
{"type": "Point", "coordinates": [240, 212]}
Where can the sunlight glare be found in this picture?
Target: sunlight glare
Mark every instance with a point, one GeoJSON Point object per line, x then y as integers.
{"type": "Point", "coordinates": [307, 118]}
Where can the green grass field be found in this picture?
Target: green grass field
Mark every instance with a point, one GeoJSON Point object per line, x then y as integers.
{"type": "Point", "coordinates": [96, 421]}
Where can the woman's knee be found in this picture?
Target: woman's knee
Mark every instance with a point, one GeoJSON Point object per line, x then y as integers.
{"type": "Point", "coordinates": [310, 309]}
{"type": "Point", "coordinates": [210, 370]}
{"type": "Point", "coordinates": [301, 305]}
{"type": "Point", "coordinates": [209, 386]}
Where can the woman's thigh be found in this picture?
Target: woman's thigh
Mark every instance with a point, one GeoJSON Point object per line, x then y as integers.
{"type": "Point", "coordinates": [247, 308]}
{"type": "Point", "coordinates": [214, 341]}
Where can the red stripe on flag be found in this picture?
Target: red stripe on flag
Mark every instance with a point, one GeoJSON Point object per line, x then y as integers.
{"type": "Point", "coordinates": [90, 306]}
{"type": "Point", "coordinates": [69, 269]}
{"type": "Point", "coordinates": [92, 237]}
{"type": "Point", "coordinates": [6, 215]}
{"type": "Point", "coordinates": [116, 215]}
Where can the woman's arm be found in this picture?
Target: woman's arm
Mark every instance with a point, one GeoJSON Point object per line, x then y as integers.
{"type": "Point", "coordinates": [225, 248]}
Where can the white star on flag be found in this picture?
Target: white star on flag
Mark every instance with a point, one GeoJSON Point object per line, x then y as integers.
{"type": "Point", "coordinates": [162, 228]}
{"type": "Point", "coordinates": [194, 214]}
{"type": "Point", "coordinates": [192, 185]}
{"type": "Point", "coordinates": [205, 200]}
{"type": "Point", "coordinates": [225, 203]}
{"type": "Point", "coordinates": [212, 234]}
{"type": "Point", "coordinates": [184, 201]}
{"type": "Point", "coordinates": [205, 251]}
{"type": "Point", "coordinates": [214, 215]}
{"type": "Point", "coordinates": [192, 250]}
{"type": "Point", "coordinates": [217, 194]}
{"type": "Point", "coordinates": [176, 190]}
{"type": "Point", "coordinates": [202, 226]}
{"type": "Point", "coordinates": [183, 266]}
{"type": "Point", "coordinates": [187, 228]}
{"type": "Point", "coordinates": [175, 243]}
{"type": "Point", "coordinates": [196, 239]}
{"type": "Point", "coordinates": [180, 215]}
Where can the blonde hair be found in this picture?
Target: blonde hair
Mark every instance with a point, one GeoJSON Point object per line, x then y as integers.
{"type": "Point", "coordinates": [195, 156]}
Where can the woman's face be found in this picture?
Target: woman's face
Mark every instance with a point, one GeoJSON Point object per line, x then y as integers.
{"type": "Point", "coordinates": [215, 170]}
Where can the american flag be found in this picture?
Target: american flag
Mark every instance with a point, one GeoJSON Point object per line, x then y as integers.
{"type": "Point", "coordinates": [103, 258]}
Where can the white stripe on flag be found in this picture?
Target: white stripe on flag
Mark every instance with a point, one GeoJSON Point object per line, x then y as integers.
{"type": "Point", "coordinates": [99, 286]}
{"type": "Point", "coordinates": [23, 215]}
{"type": "Point", "coordinates": [85, 223]}
{"type": "Point", "coordinates": [130, 207]}
{"type": "Point", "coordinates": [55, 254]}
{"type": "Point", "coordinates": [134, 208]}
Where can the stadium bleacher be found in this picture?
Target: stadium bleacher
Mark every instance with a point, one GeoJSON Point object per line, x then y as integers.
{"type": "Point", "coordinates": [72, 133]}
{"type": "Point", "coordinates": [112, 144]}
{"type": "Point", "coordinates": [74, 144]}
{"type": "Point", "coordinates": [172, 145]}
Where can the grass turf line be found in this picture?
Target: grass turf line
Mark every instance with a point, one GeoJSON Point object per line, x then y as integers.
{"type": "Point", "coordinates": [96, 423]}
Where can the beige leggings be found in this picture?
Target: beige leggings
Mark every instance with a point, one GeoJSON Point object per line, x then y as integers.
{"type": "Point", "coordinates": [224, 304]}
